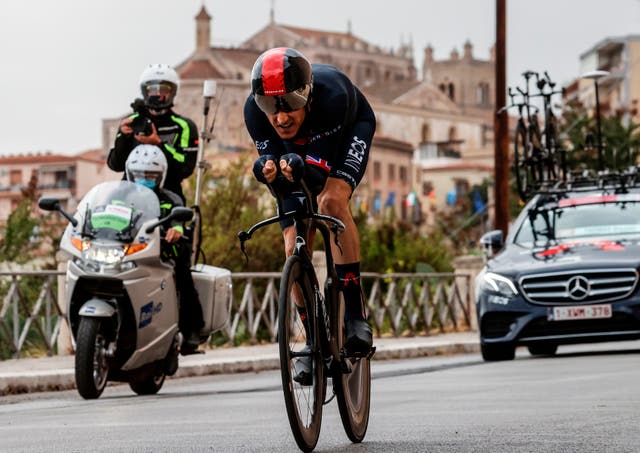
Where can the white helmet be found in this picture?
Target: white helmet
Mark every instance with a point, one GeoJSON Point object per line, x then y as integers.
{"type": "Point", "coordinates": [159, 85]}
{"type": "Point", "coordinates": [147, 165]}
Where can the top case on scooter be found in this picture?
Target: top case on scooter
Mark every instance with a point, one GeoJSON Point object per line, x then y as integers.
{"type": "Point", "coordinates": [214, 290]}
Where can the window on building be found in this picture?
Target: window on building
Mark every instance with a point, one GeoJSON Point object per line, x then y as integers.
{"type": "Point", "coordinates": [61, 179]}
{"type": "Point", "coordinates": [15, 177]}
{"type": "Point", "coordinates": [377, 170]}
{"type": "Point", "coordinates": [426, 133]}
{"type": "Point", "coordinates": [482, 93]}
{"type": "Point", "coordinates": [452, 91]}
{"type": "Point", "coordinates": [392, 172]}
{"type": "Point", "coordinates": [403, 174]}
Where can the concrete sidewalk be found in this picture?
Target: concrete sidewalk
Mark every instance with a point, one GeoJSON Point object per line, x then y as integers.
{"type": "Point", "coordinates": [57, 373]}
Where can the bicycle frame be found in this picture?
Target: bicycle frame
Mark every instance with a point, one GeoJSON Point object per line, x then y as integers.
{"type": "Point", "coordinates": [327, 308]}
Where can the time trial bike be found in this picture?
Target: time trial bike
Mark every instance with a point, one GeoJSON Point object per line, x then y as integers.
{"type": "Point", "coordinates": [299, 286]}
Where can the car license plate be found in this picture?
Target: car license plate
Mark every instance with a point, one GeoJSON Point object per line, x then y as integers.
{"type": "Point", "coordinates": [580, 312]}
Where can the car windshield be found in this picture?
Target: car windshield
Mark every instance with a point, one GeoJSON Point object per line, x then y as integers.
{"type": "Point", "coordinates": [116, 210]}
{"type": "Point", "coordinates": [599, 217]}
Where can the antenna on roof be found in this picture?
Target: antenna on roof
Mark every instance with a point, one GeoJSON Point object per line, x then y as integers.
{"type": "Point", "coordinates": [349, 30]}
{"type": "Point", "coordinates": [272, 14]}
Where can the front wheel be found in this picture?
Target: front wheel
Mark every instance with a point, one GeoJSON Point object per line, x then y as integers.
{"type": "Point", "coordinates": [92, 367]}
{"type": "Point", "coordinates": [353, 390]}
{"type": "Point", "coordinates": [303, 402]}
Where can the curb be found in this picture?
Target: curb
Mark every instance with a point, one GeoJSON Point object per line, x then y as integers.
{"type": "Point", "coordinates": [28, 381]}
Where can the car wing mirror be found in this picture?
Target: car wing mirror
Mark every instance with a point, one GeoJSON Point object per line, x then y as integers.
{"type": "Point", "coordinates": [491, 243]}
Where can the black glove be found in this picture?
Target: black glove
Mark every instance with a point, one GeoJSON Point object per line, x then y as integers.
{"type": "Point", "coordinates": [259, 164]}
{"type": "Point", "coordinates": [297, 165]}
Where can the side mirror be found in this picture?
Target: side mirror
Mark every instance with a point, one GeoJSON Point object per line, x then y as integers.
{"type": "Point", "coordinates": [49, 204]}
{"type": "Point", "coordinates": [181, 214]}
{"type": "Point", "coordinates": [491, 243]}
{"type": "Point", "coordinates": [53, 204]}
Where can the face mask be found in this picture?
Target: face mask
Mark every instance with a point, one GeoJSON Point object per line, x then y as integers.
{"type": "Point", "coordinates": [150, 183]}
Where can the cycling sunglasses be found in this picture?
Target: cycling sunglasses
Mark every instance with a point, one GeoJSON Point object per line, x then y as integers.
{"type": "Point", "coordinates": [283, 103]}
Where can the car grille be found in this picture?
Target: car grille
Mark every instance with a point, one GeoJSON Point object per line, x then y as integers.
{"type": "Point", "coordinates": [581, 286]}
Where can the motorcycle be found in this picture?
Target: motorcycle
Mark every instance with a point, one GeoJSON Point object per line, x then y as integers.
{"type": "Point", "coordinates": [121, 296]}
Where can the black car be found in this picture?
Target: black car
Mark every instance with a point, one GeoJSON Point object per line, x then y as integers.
{"type": "Point", "coordinates": [567, 272]}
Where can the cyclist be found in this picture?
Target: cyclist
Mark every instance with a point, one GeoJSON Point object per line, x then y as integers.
{"type": "Point", "coordinates": [176, 135]}
{"type": "Point", "coordinates": [311, 119]}
{"type": "Point", "coordinates": [147, 166]}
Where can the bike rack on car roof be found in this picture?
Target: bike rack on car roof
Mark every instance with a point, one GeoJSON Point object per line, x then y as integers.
{"type": "Point", "coordinates": [588, 181]}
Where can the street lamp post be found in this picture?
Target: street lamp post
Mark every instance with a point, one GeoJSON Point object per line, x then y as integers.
{"type": "Point", "coordinates": [595, 76]}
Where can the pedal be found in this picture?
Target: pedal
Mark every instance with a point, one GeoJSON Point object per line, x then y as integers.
{"type": "Point", "coordinates": [345, 366]}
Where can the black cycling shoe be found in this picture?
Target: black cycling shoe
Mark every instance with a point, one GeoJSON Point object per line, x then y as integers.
{"type": "Point", "coordinates": [359, 337]}
{"type": "Point", "coordinates": [303, 368]}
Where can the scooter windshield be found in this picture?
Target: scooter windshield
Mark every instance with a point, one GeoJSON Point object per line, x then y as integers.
{"type": "Point", "coordinates": [116, 210]}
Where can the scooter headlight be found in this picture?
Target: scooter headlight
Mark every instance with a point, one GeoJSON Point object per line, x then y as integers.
{"type": "Point", "coordinates": [109, 256]}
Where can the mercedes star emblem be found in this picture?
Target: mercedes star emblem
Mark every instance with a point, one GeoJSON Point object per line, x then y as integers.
{"type": "Point", "coordinates": [578, 287]}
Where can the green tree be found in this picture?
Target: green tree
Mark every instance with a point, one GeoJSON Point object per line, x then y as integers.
{"type": "Point", "coordinates": [620, 139]}
{"type": "Point", "coordinates": [233, 201]}
{"type": "Point", "coordinates": [20, 235]}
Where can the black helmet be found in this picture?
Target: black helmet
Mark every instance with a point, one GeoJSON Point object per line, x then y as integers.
{"type": "Point", "coordinates": [281, 80]}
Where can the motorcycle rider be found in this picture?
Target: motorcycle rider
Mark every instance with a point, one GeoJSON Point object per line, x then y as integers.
{"type": "Point", "coordinates": [311, 119]}
{"type": "Point", "coordinates": [147, 166]}
{"type": "Point", "coordinates": [175, 135]}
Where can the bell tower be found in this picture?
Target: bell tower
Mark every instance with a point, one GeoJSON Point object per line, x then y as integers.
{"type": "Point", "coordinates": [203, 30]}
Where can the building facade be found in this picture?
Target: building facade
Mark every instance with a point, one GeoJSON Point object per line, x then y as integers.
{"type": "Point", "coordinates": [449, 108]}
{"type": "Point", "coordinates": [67, 178]}
{"type": "Point", "coordinates": [618, 91]}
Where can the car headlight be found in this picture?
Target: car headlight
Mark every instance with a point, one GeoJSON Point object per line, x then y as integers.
{"type": "Point", "coordinates": [499, 284]}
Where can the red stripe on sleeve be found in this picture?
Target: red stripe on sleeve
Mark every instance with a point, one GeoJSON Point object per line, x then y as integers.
{"type": "Point", "coordinates": [273, 72]}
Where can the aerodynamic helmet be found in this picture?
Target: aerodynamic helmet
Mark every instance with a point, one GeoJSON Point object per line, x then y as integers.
{"type": "Point", "coordinates": [281, 80]}
{"type": "Point", "coordinates": [147, 166]}
{"type": "Point", "coordinates": [159, 85]}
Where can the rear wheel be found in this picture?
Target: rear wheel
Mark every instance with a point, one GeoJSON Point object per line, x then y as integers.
{"type": "Point", "coordinates": [150, 385]}
{"type": "Point", "coordinates": [522, 163]}
{"type": "Point", "coordinates": [353, 390]}
{"type": "Point", "coordinates": [493, 352]}
{"type": "Point", "coordinates": [92, 367]}
{"type": "Point", "coordinates": [542, 349]}
{"type": "Point", "coordinates": [303, 402]}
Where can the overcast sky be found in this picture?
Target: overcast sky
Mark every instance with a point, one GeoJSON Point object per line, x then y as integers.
{"type": "Point", "coordinates": [67, 64]}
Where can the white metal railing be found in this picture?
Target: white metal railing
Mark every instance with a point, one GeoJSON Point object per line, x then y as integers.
{"type": "Point", "coordinates": [399, 304]}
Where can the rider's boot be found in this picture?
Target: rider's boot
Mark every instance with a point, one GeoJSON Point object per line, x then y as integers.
{"type": "Point", "coordinates": [303, 367]}
{"type": "Point", "coordinates": [359, 337]}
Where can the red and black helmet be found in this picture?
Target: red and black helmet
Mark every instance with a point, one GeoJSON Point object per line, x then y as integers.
{"type": "Point", "coordinates": [281, 80]}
